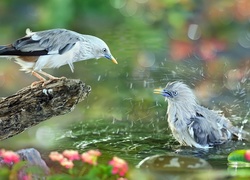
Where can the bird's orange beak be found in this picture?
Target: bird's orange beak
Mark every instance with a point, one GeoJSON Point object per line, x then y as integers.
{"type": "Point", "coordinates": [158, 91]}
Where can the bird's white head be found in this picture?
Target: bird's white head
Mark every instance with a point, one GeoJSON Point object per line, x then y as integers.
{"type": "Point", "coordinates": [177, 92]}
{"type": "Point", "coordinates": [100, 48]}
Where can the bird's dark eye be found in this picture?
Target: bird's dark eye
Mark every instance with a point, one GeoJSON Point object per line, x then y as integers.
{"type": "Point", "coordinates": [174, 93]}
{"type": "Point", "coordinates": [104, 50]}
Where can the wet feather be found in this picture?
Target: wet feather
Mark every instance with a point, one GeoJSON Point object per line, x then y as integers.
{"type": "Point", "coordinates": [193, 124]}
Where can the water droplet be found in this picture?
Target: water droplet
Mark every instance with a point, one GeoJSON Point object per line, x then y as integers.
{"type": "Point", "coordinates": [99, 77]}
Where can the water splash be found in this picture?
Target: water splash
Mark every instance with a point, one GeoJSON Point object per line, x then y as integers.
{"type": "Point", "coordinates": [99, 78]}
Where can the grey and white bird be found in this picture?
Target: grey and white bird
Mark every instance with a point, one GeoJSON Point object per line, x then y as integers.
{"type": "Point", "coordinates": [53, 48]}
{"type": "Point", "coordinates": [193, 124]}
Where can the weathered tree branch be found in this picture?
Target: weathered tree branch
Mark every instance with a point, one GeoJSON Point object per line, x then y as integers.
{"type": "Point", "coordinates": [30, 106]}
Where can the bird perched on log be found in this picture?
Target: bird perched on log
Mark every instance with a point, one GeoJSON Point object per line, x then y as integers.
{"type": "Point", "coordinates": [53, 48]}
{"type": "Point", "coordinates": [193, 124]}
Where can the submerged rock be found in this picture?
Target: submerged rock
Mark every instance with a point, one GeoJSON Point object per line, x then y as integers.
{"type": "Point", "coordinates": [161, 167]}
{"type": "Point", "coordinates": [173, 163]}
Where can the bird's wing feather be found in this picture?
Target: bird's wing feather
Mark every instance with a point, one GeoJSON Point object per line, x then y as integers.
{"type": "Point", "coordinates": [55, 41]}
{"type": "Point", "coordinates": [198, 132]}
{"type": "Point", "coordinates": [205, 133]}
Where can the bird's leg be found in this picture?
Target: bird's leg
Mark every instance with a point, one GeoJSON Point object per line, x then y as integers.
{"type": "Point", "coordinates": [38, 76]}
{"type": "Point", "coordinates": [42, 79]}
{"type": "Point", "coordinates": [48, 75]}
{"type": "Point", "coordinates": [51, 78]}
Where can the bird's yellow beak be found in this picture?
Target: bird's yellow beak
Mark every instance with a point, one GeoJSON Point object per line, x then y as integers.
{"type": "Point", "coordinates": [158, 91]}
{"type": "Point", "coordinates": [110, 57]}
{"type": "Point", "coordinates": [114, 60]}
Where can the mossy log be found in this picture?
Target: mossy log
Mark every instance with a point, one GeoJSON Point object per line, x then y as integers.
{"type": "Point", "coordinates": [32, 105]}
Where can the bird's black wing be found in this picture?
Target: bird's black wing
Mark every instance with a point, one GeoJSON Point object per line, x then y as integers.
{"type": "Point", "coordinates": [55, 41]}
{"type": "Point", "coordinates": [10, 50]}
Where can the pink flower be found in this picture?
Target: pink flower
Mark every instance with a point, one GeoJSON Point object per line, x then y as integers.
{"type": "Point", "coordinates": [122, 178]}
{"type": "Point", "coordinates": [9, 156]}
{"type": "Point", "coordinates": [55, 156]}
{"type": "Point", "coordinates": [67, 163]}
{"type": "Point", "coordinates": [91, 156]}
{"type": "Point", "coordinates": [247, 155]}
{"type": "Point", "coordinates": [119, 166]}
{"type": "Point", "coordinates": [94, 153]}
{"type": "Point", "coordinates": [71, 155]}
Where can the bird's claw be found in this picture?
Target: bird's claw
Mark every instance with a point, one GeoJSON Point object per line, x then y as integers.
{"type": "Point", "coordinates": [35, 84]}
{"type": "Point", "coordinates": [45, 82]}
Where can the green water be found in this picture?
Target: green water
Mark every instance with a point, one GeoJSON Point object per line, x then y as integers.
{"type": "Point", "coordinates": [135, 141]}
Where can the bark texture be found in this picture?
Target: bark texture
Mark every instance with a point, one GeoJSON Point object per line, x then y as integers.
{"type": "Point", "coordinates": [32, 105]}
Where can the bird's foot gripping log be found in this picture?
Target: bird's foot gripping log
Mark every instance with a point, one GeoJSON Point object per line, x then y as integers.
{"type": "Point", "coordinates": [42, 80]}
{"type": "Point", "coordinates": [30, 106]}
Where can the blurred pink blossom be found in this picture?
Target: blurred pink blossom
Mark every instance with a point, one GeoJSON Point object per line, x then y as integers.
{"type": "Point", "coordinates": [9, 156]}
{"type": "Point", "coordinates": [94, 153]}
{"type": "Point", "coordinates": [119, 166]}
{"type": "Point", "coordinates": [56, 156]}
{"type": "Point", "coordinates": [179, 50]}
{"type": "Point", "coordinates": [71, 154]}
{"type": "Point", "coordinates": [67, 163]}
{"type": "Point", "coordinates": [208, 48]}
{"type": "Point", "coordinates": [247, 155]}
{"type": "Point", "coordinates": [91, 156]}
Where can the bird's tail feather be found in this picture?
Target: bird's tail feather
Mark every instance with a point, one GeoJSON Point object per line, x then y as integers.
{"type": "Point", "coordinates": [240, 133]}
{"type": "Point", "coordinates": [6, 50]}
{"type": "Point", "coordinates": [235, 130]}
{"type": "Point", "coordinates": [9, 50]}
{"type": "Point", "coordinates": [2, 49]}
{"type": "Point", "coordinates": [244, 135]}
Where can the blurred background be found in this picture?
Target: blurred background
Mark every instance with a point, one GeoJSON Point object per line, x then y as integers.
{"type": "Point", "coordinates": [202, 43]}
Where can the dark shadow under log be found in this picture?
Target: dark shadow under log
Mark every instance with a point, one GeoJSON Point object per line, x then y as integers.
{"type": "Point", "coordinates": [30, 106]}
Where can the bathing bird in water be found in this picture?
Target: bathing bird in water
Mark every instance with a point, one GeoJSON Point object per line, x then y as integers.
{"type": "Point", "coordinates": [193, 124]}
{"type": "Point", "coordinates": [53, 48]}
